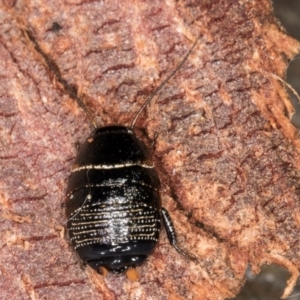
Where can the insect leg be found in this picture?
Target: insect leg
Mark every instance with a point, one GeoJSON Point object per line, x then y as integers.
{"type": "Point", "coordinates": [171, 234]}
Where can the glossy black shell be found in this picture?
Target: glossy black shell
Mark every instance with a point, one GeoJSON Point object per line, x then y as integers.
{"type": "Point", "coordinates": [113, 202]}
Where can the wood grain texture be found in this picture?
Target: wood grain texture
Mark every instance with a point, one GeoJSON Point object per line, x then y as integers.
{"type": "Point", "coordinates": [227, 155]}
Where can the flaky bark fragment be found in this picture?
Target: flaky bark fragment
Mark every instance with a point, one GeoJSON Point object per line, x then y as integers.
{"type": "Point", "coordinates": [226, 152]}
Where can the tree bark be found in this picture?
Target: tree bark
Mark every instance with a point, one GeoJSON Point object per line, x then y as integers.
{"type": "Point", "coordinates": [227, 154]}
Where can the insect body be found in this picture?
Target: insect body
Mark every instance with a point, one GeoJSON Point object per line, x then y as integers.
{"type": "Point", "coordinates": [114, 200]}
{"type": "Point", "coordinates": [113, 203]}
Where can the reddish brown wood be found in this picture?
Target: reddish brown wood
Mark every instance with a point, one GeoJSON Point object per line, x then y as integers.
{"type": "Point", "coordinates": [226, 152]}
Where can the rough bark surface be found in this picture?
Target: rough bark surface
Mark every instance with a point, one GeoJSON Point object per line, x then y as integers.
{"type": "Point", "coordinates": [226, 153]}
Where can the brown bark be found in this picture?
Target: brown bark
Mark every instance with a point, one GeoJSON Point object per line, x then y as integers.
{"type": "Point", "coordinates": [227, 153]}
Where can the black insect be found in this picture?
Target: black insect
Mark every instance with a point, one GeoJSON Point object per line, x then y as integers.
{"type": "Point", "coordinates": [113, 203]}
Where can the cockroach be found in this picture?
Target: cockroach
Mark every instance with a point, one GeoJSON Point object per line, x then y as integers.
{"type": "Point", "coordinates": [113, 198]}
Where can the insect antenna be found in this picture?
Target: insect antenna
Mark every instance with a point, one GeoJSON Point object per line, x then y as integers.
{"type": "Point", "coordinates": [88, 113]}
{"type": "Point", "coordinates": [162, 84]}
{"type": "Point", "coordinates": [71, 90]}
